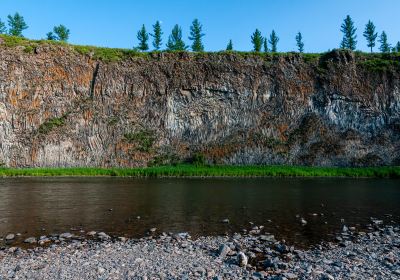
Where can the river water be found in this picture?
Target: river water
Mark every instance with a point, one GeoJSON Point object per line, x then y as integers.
{"type": "Point", "coordinates": [40, 206]}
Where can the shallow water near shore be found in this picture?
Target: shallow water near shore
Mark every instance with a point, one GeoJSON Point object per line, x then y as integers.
{"type": "Point", "coordinates": [41, 206]}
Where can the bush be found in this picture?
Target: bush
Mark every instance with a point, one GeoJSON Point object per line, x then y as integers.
{"type": "Point", "coordinates": [144, 139]}
{"type": "Point", "coordinates": [380, 65]}
{"type": "Point", "coordinates": [198, 159]}
{"type": "Point", "coordinates": [49, 125]}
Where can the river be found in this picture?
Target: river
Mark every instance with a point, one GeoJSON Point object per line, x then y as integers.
{"type": "Point", "coordinates": [40, 206]}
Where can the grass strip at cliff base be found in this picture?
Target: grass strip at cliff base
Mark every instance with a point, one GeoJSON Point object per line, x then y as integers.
{"type": "Point", "coordinates": [210, 171]}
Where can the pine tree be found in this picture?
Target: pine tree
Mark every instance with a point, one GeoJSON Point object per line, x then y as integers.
{"type": "Point", "coordinates": [299, 42]}
{"type": "Point", "coordinates": [265, 45]}
{"type": "Point", "coordinates": [229, 47]}
{"type": "Point", "coordinates": [273, 41]}
{"type": "Point", "coordinates": [16, 25]}
{"type": "Point", "coordinates": [385, 46]}
{"type": "Point", "coordinates": [157, 34]}
{"type": "Point", "coordinates": [3, 28]}
{"type": "Point", "coordinates": [50, 36]}
{"type": "Point", "coordinates": [62, 33]}
{"type": "Point", "coordinates": [349, 34]}
{"type": "Point", "coordinates": [370, 34]}
{"type": "Point", "coordinates": [257, 40]}
{"type": "Point", "coordinates": [175, 42]}
{"type": "Point", "coordinates": [143, 37]}
{"type": "Point", "coordinates": [196, 35]}
{"type": "Point", "coordinates": [397, 47]}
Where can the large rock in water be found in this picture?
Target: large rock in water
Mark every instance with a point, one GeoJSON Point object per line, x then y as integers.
{"type": "Point", "coordinates": [62, 108]}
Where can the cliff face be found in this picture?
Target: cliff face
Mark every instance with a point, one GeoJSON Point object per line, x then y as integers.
{"type": "Point", "coordinates": [62, 108]}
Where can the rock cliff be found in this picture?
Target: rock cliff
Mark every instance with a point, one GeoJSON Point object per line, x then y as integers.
{"type": "Point", "coordinates": [60, 107]}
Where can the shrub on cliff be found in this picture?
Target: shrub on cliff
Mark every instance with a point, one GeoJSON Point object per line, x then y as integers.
{"type": "Point", "coordinates": [198, 159]}
{"type": "Point", "coordinates": [50, 124]}
{"type": "Point", "coordinates": [144, 139]}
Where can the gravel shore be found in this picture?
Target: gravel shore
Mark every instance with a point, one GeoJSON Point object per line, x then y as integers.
{"type": "Point", "coordinates": [374, 254]}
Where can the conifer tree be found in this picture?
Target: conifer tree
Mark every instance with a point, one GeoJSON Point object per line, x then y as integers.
{"type": "Point", "coordinates": [3, 28]}
{"type": "Point", "coordinates": [385, 46]}
{"type": "Point", "coordinates": [16, 25]}
{"type": "Point", "coordinates": [299, 42]}
{"type": "Point", "coordinates": [229, 47]}
{"type": "Point", "coordinates": [257, 40]}
{"type": "Point", "coordinates": [143, 37]}
{"type": "Point", "coordinates": [62, 33]}
{"type": "Point", "coordinates": [349, 34]}
{"type": "Point", "coordinates": [265, 45]}
{"type": "Point", "coordinates": [370, 34]}
{"type": "Point", "coordinates": [196, 35]}
{"type": "Point", "coordinates": [50, 36]}
{"type": "Point", "coordinates": [175, 42]}
{"type": "Point", "coordinates": [273, 41]}
{"type": "Point", "coordinates": [157, 34]}
{"type": "Point", "coordinates": [397, 47]}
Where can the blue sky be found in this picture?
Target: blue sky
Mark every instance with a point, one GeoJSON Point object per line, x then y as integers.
{"type": "Point", "coordinates": [114, 23]}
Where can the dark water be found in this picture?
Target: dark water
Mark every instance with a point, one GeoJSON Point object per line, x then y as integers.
{"type": "Point", "coordinates": [37, 206]}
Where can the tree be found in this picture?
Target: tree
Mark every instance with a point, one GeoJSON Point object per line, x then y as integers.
{"type": "Point", "coordinates": [370, 34]}
{"type": "Point", "coordinates": [175, 42]}
{"type": "Point", "coordinates": [51, 37]}
{"type": "Point", "coordinates": [61, 33]}
{"type": "Point", "coordinates": [157, 34]}
{"type": "Point", "coordinates": [299, 42]}
{"type": "Point", "coordinates": [273, 41]}
{"type": "Point", "coordinates": [349, 34]}
{"type": "Point", "coordinates": [196, 35]}
{"type": "Point", "coordinates": [229, 47]}
{"type": "Point", "coordinates": [3, 28]}
{"type": "Point", "coordinates": [143, 37]}
{"type": "Point", "coordinates": [397, 48]}
{"type": "Point", "coordinates": [265, 44]}
{"type": "Point", "coordinates": [16, 25]}
{"type": "Point", "coordinates": [257, 40]}
{"type": "Point", "coordinates": [385, 46]}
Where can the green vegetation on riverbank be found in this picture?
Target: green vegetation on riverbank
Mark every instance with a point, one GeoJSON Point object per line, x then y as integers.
{"type": "Point", "coordinates": [210, 171]}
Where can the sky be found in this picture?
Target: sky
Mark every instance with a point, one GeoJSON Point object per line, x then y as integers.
{"type": "Point", "coordinates": [114, 23]}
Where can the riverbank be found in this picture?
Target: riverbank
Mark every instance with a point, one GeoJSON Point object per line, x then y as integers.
{"type": "Point", "coordinates": [210, 171]}
{"type": "Point", "coordinates": [255, 254]}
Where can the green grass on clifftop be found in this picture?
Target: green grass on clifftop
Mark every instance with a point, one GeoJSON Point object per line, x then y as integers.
{"type": "Point", "coordinates": [210, 171]}
{"type": "Point", "coordinates": [376, 62]}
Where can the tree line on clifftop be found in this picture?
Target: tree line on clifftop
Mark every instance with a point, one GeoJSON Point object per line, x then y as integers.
{"type": "Point", "coordinates": [17, 24]}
